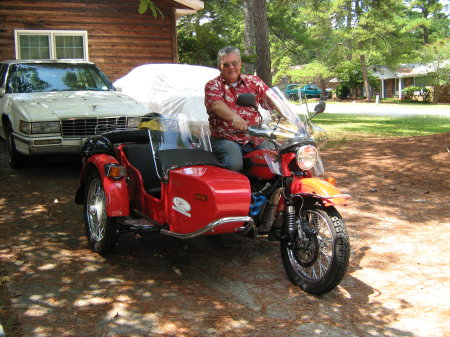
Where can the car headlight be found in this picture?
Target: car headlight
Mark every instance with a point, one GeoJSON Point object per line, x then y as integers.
{"type": "Point", "coordinates": [39, 127]}
{"type": "Point", "coordinates": [133, 122]}
{"type": "Point", "coordinates": [306, 157]}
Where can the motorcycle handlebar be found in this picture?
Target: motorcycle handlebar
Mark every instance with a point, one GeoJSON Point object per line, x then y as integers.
{"type": "Point", "coordinates": [263, 133]}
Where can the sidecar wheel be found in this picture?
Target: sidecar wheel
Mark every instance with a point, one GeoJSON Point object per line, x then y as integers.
{"type": "Point", "coordinates": [319, 268]}
{"type": "Point", "coordinates": [101, 229]}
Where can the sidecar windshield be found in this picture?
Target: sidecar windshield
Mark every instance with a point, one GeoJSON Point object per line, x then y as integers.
{"type": "Point", "coordinates": [179, 133]}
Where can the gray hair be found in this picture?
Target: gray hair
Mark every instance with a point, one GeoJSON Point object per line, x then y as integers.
{"type": "Point", "coordinates": [226, 51]}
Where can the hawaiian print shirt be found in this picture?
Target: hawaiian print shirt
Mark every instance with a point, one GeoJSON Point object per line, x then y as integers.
{"type": "Point", "coordinates": [218, 90]}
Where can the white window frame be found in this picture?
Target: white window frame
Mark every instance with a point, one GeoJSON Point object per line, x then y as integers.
{"type": "Point", "coordinates": [52, 38]}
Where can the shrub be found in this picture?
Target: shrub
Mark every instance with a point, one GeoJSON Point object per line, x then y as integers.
{"type": "Point", "coordinates": [416, 93]}
{"type": "Point", "coordinates": [342, 91]}
{"type": "Point", "coordinates": [408, 92]}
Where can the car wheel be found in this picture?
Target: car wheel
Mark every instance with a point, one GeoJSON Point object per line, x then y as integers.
{"type": "Point", "coordinates": [15, 159]}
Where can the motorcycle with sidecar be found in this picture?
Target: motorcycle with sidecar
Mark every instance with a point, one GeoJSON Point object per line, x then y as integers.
{"type": "Point", "coordinates": [165, 178]}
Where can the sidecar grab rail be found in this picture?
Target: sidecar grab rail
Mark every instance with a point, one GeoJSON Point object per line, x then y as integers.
{"type": "Point", "coordinates": [212, 225]}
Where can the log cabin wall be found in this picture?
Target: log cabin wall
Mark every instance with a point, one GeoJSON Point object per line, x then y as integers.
{"type": "Point", "coordinates": [118, 37]}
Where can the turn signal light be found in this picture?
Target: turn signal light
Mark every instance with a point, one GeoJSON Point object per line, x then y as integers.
{"type": "Point", "coordinates": [115, 171]}
{"type": "Point", "coordinates": [331, 180]}
{"type": "Point", "coordinates": [201, 197]}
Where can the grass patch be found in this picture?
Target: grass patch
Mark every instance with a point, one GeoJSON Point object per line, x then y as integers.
{"type": "Point", "coordinates": [342, 128]}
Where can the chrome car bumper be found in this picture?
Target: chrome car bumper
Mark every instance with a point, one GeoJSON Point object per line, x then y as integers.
{"type": "Point", "coordinates": [30, 146]}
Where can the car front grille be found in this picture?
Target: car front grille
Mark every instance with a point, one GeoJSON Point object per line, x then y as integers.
{"type": "Point", "coordinates": [93, 126]}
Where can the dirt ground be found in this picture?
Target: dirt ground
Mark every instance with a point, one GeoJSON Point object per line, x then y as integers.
{"type": "Point", "coordinates": [398, 281]}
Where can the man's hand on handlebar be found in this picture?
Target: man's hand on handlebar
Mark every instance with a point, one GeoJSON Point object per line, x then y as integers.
{"type": "Point", "coordinates": [239, 123]}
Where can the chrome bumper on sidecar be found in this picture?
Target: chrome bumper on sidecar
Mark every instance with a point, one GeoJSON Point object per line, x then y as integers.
{"type": "Point", "coordinates": [249, 220]}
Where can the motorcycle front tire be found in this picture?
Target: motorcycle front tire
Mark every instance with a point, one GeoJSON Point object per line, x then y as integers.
{"type": "Point", "coordinates": [327, 263]}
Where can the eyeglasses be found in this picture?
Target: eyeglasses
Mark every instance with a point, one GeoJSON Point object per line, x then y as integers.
{"type": "Point", "coordinates": [228, 65]}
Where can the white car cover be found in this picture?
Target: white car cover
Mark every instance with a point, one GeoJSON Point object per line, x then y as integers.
{"type": "Point", "coordinates": [169, 89]}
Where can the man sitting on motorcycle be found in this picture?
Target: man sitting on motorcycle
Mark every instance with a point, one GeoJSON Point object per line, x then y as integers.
{"type": "Point", "coordinates": [226, 118]}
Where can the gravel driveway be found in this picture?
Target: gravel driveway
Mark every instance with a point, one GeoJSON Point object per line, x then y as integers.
{"type": "Point", "coordinates": [398, 282]}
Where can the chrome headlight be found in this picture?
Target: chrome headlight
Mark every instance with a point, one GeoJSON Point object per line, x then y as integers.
{"type": "Point", "coordinates": [39, 127]}
{"type": "Point", "coordinates": [306, 157]}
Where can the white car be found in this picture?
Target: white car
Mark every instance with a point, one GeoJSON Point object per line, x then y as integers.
{"type": "Point", "coordinates": [51, 106]}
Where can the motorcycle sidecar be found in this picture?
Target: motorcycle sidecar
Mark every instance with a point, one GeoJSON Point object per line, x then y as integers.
{"type": "Point", "coordinates": [178, 192]}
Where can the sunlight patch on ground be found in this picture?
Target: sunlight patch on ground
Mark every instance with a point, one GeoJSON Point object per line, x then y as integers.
{"type": "Point", "coordinates": [48, 266]}
{"type": "Point", "coordinates": [89, 300]}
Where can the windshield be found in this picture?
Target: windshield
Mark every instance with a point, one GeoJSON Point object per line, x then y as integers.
{"type": "Point", "coordinates": [46, 77]}
{"type": "Point", "coordinates": [284, 124]}
{"type": "Point", "coordinates": [180, 133]}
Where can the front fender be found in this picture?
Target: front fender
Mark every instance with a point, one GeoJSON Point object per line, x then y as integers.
{"type": "Point", "coordinates": [116, 191]}
{"type": "Point", "coordinates": [318, 188]}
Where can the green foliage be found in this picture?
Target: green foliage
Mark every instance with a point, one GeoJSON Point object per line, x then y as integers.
{"type": "Point", "coordinates": [437, 55]}
{"type": "Point", "coordinates": [426, 20]}
{"type": "Point", "coordinates": [329, 33]}
{"type": "Point", "coordinates": [283, 68]}
{"type": "Point", "coordinates": [144, 5]}
{"type": "Point", "coordinates": [416, 93]}
{"type": "Point", "coordinates": [408, 92]}
{"type": "Point", "coordinates": [350, 75]}
{"type": "Point", "coordinates": [310, 73]}
{"type": "Point", "coordinates": [202, 34]}
{"type": "Point", "coordinates": [342, 91]}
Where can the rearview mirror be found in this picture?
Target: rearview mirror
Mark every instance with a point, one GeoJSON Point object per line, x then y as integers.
{"type": "Point", "coordinates": [318, 109]}
{"type": "Point", "coordinates": [247, 100]}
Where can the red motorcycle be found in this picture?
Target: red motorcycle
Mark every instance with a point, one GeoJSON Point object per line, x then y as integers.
{"type": "Point", "coordinates": [165, 179]}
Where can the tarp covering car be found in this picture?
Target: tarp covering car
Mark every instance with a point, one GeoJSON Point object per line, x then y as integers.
{"type": "Point", "coordinates": [169, 89]}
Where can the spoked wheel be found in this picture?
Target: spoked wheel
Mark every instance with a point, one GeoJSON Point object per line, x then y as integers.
{"type": "Point", "coordinates": [318, 261]}
{"type": "Point", "coordinates": [101, 229]}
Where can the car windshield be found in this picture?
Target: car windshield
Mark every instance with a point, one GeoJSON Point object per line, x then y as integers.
{"type": "Point", "coordinates": [46, 77]}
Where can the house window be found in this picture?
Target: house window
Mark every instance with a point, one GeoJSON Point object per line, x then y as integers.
{"type": "Point", "coordinates": [46, 44]}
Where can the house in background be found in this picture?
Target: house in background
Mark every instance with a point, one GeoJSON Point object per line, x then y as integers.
{"type": "Point", "coordinates": [417, 74]}
{"type": "Point", "coordinates": [110, 33]}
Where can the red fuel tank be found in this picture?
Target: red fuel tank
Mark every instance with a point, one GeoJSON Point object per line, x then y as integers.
{"type": "Point", "coordinates": [255, 164]}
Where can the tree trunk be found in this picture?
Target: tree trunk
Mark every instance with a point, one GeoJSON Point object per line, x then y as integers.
{"type": "Point", "coordinates": [263, 68]}
{"type": "Point", "coordinates": [425, 35]}
{"type": "Point", "coordinates": [348, 7]}
{"type": "Point", "coordinates": [323, 87]}
{"type": "Point", "coordinates": [362, 59]}
{"type": "Point", "coordinates": [249, 37]}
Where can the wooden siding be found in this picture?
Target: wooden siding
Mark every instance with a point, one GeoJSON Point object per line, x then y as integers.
{"type": "Point", "coordinates": [119, 38]}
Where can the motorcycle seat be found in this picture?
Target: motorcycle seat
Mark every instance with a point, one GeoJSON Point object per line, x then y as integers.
{"type": "Point", "coordinates": [140, 157]}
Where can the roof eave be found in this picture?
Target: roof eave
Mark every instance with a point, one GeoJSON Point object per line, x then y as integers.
{"type": "Point", "coordinates": [189, 7]}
